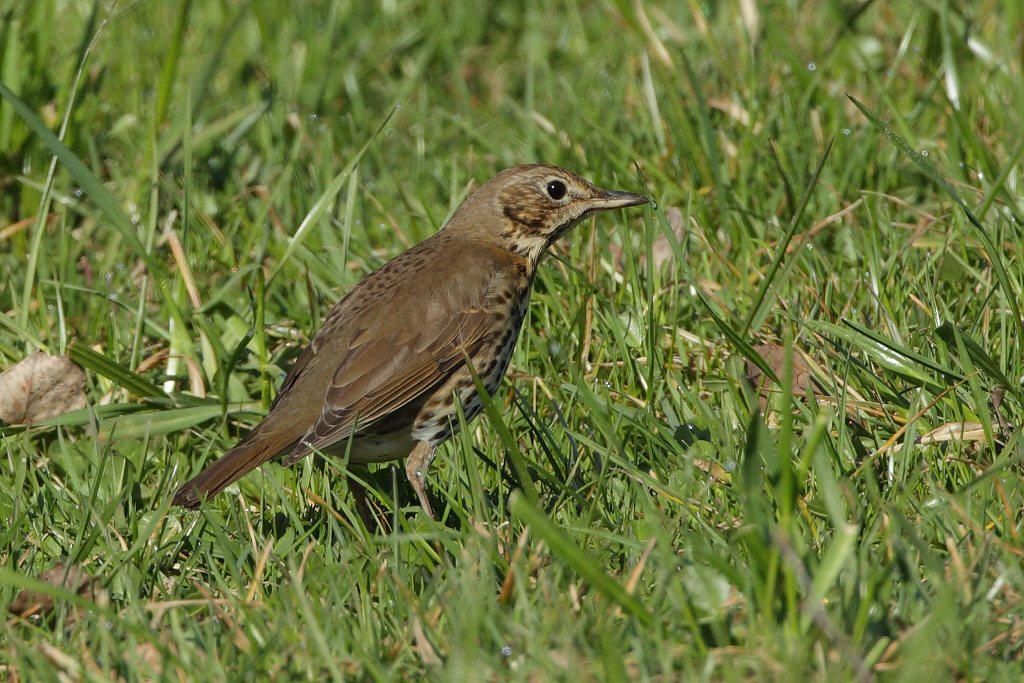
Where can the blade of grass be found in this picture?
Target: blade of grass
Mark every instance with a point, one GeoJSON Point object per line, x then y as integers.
{"type": "Point", "coordinates": [949, 334]}
{"type": "Point", "coordinates": [566, 550]}
{"type": "Point", "coordinates": [170, 65]}
{"type": "Point", "coordinates": [980, 400]}
{"type": "Point", "coordinates": [112, 370]}
{"type": "Point", "coordinates": [44, 201]}
{"type": "Point", "coordinates": [96, 191]}
{"type": "Point", "coordinates": [511, 447]}
{"type": "Point", "coordinates": [990, 247]}
{"type": "Point", "coordinates": [140, 424]}
{"type": "Point", "coordinates": [17, 579]}
{"type": "Point", "coordinates": [760, 299]}
{"type": "Point", "coordinates": [325, 199]}
{"type": "Point", "coordinates": [22, 332]}
{"type": "Point", "coordinates": [737, 340]}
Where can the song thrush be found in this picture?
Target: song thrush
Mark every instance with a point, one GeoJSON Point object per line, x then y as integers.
{"type": "Point", "coordinates": [381, 377]}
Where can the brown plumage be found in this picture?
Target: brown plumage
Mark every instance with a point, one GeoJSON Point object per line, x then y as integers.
{"type": "Point", "coordinates": [384, 372]}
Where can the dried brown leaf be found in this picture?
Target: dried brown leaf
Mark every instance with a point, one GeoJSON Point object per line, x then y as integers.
{"type": "Point", "coordinates": [40, 387]}
{"type": "Point", "coordinates": [955, 431]}
{"type": "Point", "coordinates": [74, 578]}
{"type": "Point", "coordinates": [775, 356]}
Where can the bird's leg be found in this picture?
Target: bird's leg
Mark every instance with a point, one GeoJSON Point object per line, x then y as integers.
{"type": "Point", "coordinates": [362, 507]}
{"type": "Point", "coordinates": [416, 466]}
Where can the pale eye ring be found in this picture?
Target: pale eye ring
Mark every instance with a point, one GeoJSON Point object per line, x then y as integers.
{"type": "Point", "coordinates": [556, 189]}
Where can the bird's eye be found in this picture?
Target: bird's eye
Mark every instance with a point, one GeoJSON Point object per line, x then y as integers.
{"type": "Point", "coordinates": [556, 189]}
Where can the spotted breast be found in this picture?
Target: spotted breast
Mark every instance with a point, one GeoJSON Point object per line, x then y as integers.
{"type": "Point", "coordinates": [509, 301]}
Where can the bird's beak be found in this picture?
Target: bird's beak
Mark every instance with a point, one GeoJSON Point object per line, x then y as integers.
{"type": "Point", "coordinates": [613, 199]}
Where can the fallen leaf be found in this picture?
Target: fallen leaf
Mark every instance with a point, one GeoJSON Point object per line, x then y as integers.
{"type": "Point", "coordinates": [954, 431]}
{"type": "Point", "coordinates": [964, 433]}
{"type": "Point", "coordinates": [40, 387]}
{"type": "Point", "coordinates": [775, 356]}
{"type": "Point", "coordinates": [74, 578]}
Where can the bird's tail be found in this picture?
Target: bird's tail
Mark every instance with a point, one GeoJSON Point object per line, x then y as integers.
{"type": "Point", "coordinates": [254, 450]}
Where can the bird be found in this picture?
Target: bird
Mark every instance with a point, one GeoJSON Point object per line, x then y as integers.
{"type": "Point", "coordinates": [383, 376]}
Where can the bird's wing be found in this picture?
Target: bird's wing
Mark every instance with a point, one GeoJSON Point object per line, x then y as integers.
{"type": "Point", "coordinates": [399, 360]}
{"type": "Point", "coordinates": [384, 375]}
{"type": "Point", "coordinates": [308, 354]}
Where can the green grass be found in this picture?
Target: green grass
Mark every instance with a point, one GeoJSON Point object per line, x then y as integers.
{"type": "Point", "coordinates": [674, 531]}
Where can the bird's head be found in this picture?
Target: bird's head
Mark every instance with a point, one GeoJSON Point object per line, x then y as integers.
{"type": "Point", "coordinates": [529, 207]}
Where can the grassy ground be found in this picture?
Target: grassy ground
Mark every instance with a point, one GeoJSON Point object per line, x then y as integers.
{"type": "Point", "coordinates": [860, 518]}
